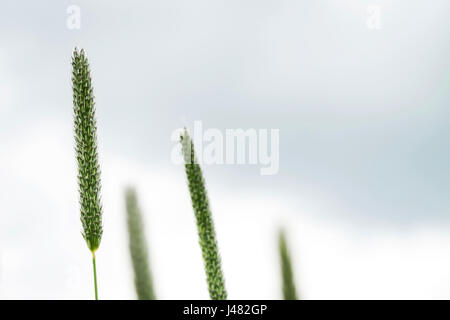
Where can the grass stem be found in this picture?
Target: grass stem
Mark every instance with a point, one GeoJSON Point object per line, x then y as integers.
{"type": "Point", "coordinates": [95, 276]}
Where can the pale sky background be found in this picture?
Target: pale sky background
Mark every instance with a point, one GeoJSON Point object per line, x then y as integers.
{"type": "Point", "coordinates": [364, 165]}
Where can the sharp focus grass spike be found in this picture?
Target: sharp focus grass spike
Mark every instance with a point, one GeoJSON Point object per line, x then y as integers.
{"type": "Point", "coordinates": [288, 282]}
{"type": "Point", "coordinates": [138, 248]}
{"type": "Point", "coordinates": [86, 154]}
{"type": "Point", "coordinates": [205, 225]}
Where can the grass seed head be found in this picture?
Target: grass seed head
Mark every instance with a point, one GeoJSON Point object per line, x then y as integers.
{"type": "Point", "coordinates": [86, 150]}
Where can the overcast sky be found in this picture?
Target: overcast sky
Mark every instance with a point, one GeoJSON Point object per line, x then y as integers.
{"type": "Point", "coordinates": [363, 117]}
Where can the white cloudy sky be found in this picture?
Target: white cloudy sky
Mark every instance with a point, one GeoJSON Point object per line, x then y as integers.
{"type": "Point", "coordinates": [364, 166]}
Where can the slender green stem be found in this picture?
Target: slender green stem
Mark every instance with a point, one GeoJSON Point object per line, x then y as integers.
{"type": "Point", "coordinates": [95, 276]}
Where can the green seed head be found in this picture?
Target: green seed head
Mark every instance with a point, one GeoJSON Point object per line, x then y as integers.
{"type": "Point", "coordinates": [86, 150]}
{"type": "Point", "coordinates": [138, 248]}
{"type": "Point", "coordinates": [288, 286]}
{"type": "Point", "coordinates": [205, 225]}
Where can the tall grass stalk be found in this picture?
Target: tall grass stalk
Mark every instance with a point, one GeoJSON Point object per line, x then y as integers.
{"type": "Point", "coordinates": [205, 225]}
{"type": "Point", "coordinates": [288, 282]}
{"type": "Point", "coordinates": [138, 247]}
{"type": "Point", "coordinates": [86, 154]}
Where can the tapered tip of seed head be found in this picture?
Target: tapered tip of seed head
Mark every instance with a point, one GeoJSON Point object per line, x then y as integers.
{"type": "Point", "coordinates": [75, 53]}
{"type": "Point", "coordinates": [281, 233]}
{"type": "Point", "coordinates": [78, 53]}
{"type": "Point", "coordinates": [184, 134]}
{"type": "Point", "coordinates": [129, 191]}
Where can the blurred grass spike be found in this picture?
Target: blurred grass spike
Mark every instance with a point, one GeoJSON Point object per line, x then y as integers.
{"type": "Point", "coordinates": [138, 247]}
{"type": "Point", "coordinates": [205, 225]}
{"type": "Point", "coordinates": [288, 281]}
{"type": "Point", "coordinates": [86, 154]}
